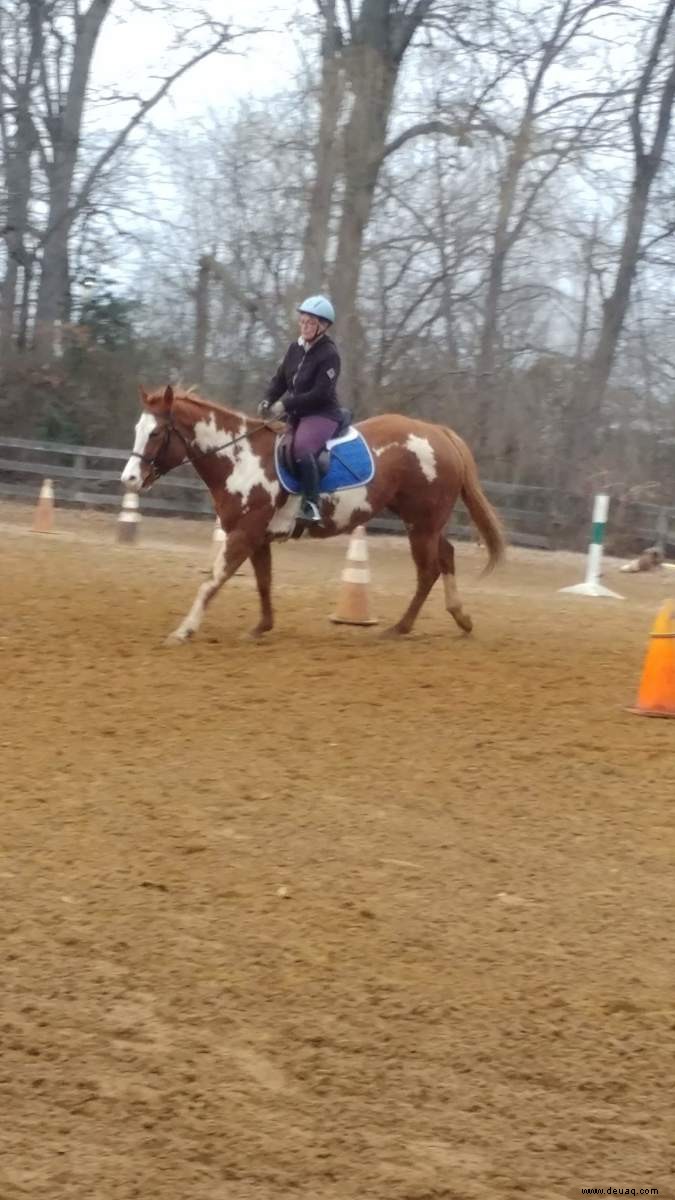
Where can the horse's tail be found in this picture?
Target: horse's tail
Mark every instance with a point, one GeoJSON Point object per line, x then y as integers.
{"type": "Point", "coordinates": [481, 511]}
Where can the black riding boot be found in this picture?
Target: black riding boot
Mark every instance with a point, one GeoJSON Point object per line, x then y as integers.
{"type": "Point", "coordinates": [308, 471]}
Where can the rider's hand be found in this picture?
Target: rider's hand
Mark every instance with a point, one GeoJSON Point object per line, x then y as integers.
{"type": "Point", "coordinates": [272, 412]}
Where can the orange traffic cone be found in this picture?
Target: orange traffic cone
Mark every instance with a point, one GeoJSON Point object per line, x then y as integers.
{"type": "Point", "coordinates": [43, 518]}
{"type": "Point", "coordinates": [656, 694]}
{"type": "Point", "coordinates": [352, 606]}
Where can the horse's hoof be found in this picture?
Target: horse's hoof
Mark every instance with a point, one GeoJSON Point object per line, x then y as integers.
{"type": "Point", "coordinates": [255, 635]}
{"type": "Point", "coordinates": [393, 632]}
{"type": "Point", "coordinates": [177, 639]}
{"type": "Point", "coordinates": [464, 622]}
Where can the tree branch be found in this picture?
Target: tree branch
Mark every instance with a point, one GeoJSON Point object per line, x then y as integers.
{"type": "Point", "coordinates": [224, 37]}
{"type": "Point", "coordinates": [646, 78]}
{"type": "Point", "coordinates": [458, 131]}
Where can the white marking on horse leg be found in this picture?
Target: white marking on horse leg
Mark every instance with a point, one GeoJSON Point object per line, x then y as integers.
{"type": "Point", "coordinates": [452, 599]}
{"type": "Point", "coordinates": [205, 593]}
{"type": "Point", "coordinates": [453, 603]}
{"type": "Point", "coordinates": [131, 475]}
{"type": "Point", "coordinates": [424, 453]}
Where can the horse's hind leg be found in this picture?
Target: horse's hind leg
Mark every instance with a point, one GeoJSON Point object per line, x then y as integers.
{"type": "Point", "coordinates": [446, 555]}
{"type": "Point", "coordinates": [233, 552]}
{"type": "Point", "coordinates": [424, 548]}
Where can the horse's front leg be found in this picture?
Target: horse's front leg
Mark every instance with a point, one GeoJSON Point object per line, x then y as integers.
{"type": "Point", "coordinates": [234, 551]}
{"type": "Point", "coordinates": [261, 561]}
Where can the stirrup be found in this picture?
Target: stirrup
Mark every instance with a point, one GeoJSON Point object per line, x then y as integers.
{"type": "Point", "coordinates": [309, 511]}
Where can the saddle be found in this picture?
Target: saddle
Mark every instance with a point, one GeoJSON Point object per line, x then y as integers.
{"type": "Point", "coordinates": [285, 447]}
{"type": "Point", "coordinates": [345, 462]}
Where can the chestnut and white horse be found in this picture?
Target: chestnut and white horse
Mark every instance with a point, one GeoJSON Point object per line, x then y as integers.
{"type": "Point", "coordinates": [420, 471]}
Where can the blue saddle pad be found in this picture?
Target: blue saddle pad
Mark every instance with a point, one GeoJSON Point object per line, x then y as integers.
{"type": "Point", "coordinates": [351, 464]}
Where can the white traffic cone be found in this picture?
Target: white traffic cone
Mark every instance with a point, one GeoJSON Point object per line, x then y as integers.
{"type": "Point", "coordinates": [129, 519]}
{"type": "Point", "coordinates": [352, 605]}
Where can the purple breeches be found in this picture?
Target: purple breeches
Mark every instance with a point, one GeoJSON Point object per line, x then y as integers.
{"type": "Point", "coordinates": [311, 435]}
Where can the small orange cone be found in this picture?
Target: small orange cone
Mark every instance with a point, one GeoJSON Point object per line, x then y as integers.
{"type": "Point", "coordinates": [352, 606]}
{"type": "Point", "coordinates": [656, 694]}
{"type": "Point", "coordinates": [43, 518]}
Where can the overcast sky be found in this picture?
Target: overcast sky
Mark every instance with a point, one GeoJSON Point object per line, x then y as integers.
{"type": "Point", "coordinates": [134, 44]}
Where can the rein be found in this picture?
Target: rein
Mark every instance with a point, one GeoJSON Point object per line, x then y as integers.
{"type": "Point", "coordinates": [169, 428]}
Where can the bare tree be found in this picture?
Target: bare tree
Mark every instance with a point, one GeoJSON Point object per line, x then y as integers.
{"type": "Point", "coordinates": [362, 54]}
{"type": "Point", "coordinates": [651, 107]}
{"type": "Point", "coordinates": [20, 55]}
{"type": "Point", "coordinates": [552, 128]}
{"type": "Point", "coordinates": [327, 149]}
{"type": "Point", "coordinates": [64, 101]}
{"type": "Point", "coordinates": [51, 90]}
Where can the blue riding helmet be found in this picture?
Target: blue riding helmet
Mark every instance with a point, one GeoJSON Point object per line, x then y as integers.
{"type": "Point", "coordinates": [318, 306]}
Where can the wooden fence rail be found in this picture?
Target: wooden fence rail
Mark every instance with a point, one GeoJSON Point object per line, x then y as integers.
{"type": "Point", "coordinates": [534, 516]}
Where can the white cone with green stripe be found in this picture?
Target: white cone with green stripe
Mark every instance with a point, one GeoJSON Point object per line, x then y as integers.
{"type": "Point", "coordinates": [591, 585]}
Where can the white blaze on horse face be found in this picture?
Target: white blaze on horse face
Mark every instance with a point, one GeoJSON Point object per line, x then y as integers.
{"type": "Point", "coordinates": [247, 471]}
{"type": "Point", "coordinates": [424, 452]}
{"type": "Point", "coordinates": [345, 506]}
{"type": "Point", "coordinates": [131, 475]}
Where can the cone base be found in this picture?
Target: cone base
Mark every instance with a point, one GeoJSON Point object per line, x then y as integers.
{"type": "Point", "coordinates": [127, 533]}
{"type": "Point", "coordinates": [591, 589]}
{"type": "Point", "coordinates": [354, 620]}
{"type": "Point", "coordinates": [43, 522]}
{"type": "Point", "coordinates": [652, 712]}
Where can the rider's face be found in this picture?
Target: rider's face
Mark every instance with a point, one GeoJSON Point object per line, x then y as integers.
{"type": "Point", "coordinates": [309, 327]}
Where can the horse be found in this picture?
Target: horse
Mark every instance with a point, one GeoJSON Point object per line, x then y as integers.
{"type": "Point", "coordinates": [420, 470]}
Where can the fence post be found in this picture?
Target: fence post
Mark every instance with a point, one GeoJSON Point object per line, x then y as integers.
{"type": "Point", "coordinates": [662, 525]}
{"type": "Point", "coordinates": [79, 464]}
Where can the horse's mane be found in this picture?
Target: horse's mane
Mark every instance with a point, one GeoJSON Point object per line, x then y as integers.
{"type": "Point", "coordinates": [193, 397]}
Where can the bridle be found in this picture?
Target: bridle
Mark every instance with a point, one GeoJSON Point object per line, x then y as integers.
{"type": "Point", "coordinates": [151, 460]}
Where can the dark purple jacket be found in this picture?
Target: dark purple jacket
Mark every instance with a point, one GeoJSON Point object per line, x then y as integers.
{"type": "Point", "coordinates": [310, 379]}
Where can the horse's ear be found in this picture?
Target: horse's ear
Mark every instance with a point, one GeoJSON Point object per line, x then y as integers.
{"type": "Point", "coordinates": [142, 394]}
{"type": "Point", "coordinates": [167, 399]}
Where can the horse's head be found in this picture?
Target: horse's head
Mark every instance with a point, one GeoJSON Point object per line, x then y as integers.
{"type": "Point", "coordinates": [158, 444]}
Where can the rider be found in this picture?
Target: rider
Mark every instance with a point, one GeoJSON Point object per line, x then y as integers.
{"type": "Point", "coordinates": [308, 377]}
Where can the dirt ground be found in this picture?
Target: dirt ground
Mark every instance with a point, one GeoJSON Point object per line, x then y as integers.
{"type": "Point", "coordinates": [328, 917]}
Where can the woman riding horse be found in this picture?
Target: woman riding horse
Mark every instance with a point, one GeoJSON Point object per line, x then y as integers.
{"type": "Point", "coordinates": [307, 378]}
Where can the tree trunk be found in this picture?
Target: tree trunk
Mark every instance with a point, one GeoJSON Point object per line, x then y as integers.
{"type": "Point", "coordinates": [502, 241]}
{"type": "Point", "coordinates": [65, 128]}
{"type": "Point", "coordinates": [326, 157]}
{"type": "Point", "coordinates": [201, 318]}
{"type": "Point", "coordinates": [17, 152]}
{"type": "Point", "coordinates": [616, 306]}
{"type": "Point", "coordinates": [53, 295]}
{"type": "Point", "coordinates": [8, 306]}
{"type": "Point", "coordinates": [447, 300]}
{"type": "Point", "coordinates": [593, 385]}
{"type": "Point", "coordinates": [373, 81]}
